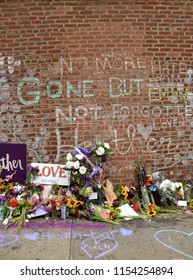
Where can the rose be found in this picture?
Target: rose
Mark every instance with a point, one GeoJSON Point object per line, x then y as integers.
{"type": "Point", "coordinates": [82, 170]}
{"type": "Point", "coordinates": [13, 203]}
{"type": "Point", "coordinates": [107, 146]}
{"type": "Point", "coordinates": [100, 151]}
{"type": "Point", "coordinates": [69, 157]}
{"type": "Point", "coordinates": [76, 164]}
{"type": "Point", "coordinates": [69, 164]}
{"type": "Point", "coordinates": [79, 156]}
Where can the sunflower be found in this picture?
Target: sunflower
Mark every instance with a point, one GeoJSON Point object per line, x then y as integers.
{"type": "Point", "coordinates": [191, 205]}
{"type": "Point", "coordinates": [79, 203]}
{"type": "Point", "coordinates": [72, 202]}
{"type": "Point", "coordinates": [124, 192]}
{"type": "Point", "coordinates": [151, 212]}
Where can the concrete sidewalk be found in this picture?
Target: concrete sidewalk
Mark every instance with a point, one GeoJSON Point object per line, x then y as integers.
{"type": "Point", "coordinates": [165, 237]}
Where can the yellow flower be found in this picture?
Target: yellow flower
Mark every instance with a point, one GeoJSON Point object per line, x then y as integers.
{"type": "Point", "coordinates": [191, 205]}
{"type": "Point", "coordinates": [149, 176]}
{"type": "Point", "coordinates": [79, 203]}
{"type": "Point", "coordinates": [124, 192]}
{"type": "Point", "coordinates": [10, 186]}
{"type": "Point", "coordinates": [71, 202]}
{"type": "Point", "coordinates": [114, 213]}
{"type": "Point", "coordinates": [151, 212]}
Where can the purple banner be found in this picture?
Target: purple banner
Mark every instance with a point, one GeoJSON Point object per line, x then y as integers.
{"type": "Point", "coordinates": [13, 160]}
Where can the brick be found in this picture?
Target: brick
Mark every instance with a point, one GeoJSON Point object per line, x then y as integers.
{"type": "Point", "coordinates": [103, 68]}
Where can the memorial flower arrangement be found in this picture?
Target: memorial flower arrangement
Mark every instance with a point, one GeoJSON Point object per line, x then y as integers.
{"type": "Point", "coordinates": [101, 214]}
{"type": "Point", "coordinates": [13, 202]}
{"type": "Point", "coordinates": [169, 192]}
{"type": "Point", "coordinates": [90, 195]}
{"type": "Point", "coordinates": [85, 164]}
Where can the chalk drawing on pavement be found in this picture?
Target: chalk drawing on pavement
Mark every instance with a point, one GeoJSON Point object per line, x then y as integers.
{"type": "Point", "coordinates": [8, 239]}
{"type": "Point", "coordinates": [93, 243]}
{"type": "Point", "coordinates": [73, 234]}
{"type": "Point", "coordinates": [97, 248]}
{"type": "Point", "coordinates": [100, 244]}
{"type": "Point", "coordinates": [31, 236]}
{"type": "Point", "coordinates": [176, 240]}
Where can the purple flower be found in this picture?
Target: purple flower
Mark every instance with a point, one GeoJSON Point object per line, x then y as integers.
{"type": "Point", "coordinates": [29, 167]}
{"type": "Point", "coordinates": [104, 159]}
{"type": "Point", "coordinates": [2, 198]}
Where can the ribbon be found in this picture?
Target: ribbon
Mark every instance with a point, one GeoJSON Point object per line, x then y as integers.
{"type": "Point", "coordinates": [95, 170]}
{"type": "Point", "coordinates": [84, 152]}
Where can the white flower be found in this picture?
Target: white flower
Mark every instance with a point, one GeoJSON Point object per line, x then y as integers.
{"type": "Point", "coordinates": [173, 186]}
{"type": "Point", "coordinates": [165, 184]}
{"type": "Point", "coordinates": [82, 170]}
{"type": "Point", "coordinates": [79, 156]}
{"type": "Point", "coordinates": [19, 198]}
{"type": "Point", "coordinates": [5, 222]}
{"type": "Point", "coordinates": [100, 151]}
{"type": "Point", "coordinates": [76, 164]}
{"type": "Point", "coordinates": [69, 164]}
{"type": "Point", "coordinates": [178, 185]}
{"type": "Point", "coordinates": [107, 146]}
{"type": "Point", "coordinates": [69, 156]}
{"type": "Point", "coordinates": [179, 189]}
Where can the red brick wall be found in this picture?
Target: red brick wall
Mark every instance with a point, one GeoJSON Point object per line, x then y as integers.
{"type": "Point", "coordinates": [74, 72]}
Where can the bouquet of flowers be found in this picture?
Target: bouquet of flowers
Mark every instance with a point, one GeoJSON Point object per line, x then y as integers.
{"type": "Point", "coordinates": [100, 214]}
{"type": "Point", "coordinates": [142, 178]}
{"type": "Point", "coordinates": [172, 191]}
{"type": "Point", "coordinates": [149, 184]}
{"type": "Point", "coordinates": [85, 165]}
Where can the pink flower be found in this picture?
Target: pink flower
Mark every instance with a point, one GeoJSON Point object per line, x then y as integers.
{"type": "Point", "coordinates": [105, 215]}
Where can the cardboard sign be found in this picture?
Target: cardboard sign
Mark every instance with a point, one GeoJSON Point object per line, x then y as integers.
{"type": "Point", "coordinates": [50, 174]}
{"type": "Point", "coordinates": [13, 160]}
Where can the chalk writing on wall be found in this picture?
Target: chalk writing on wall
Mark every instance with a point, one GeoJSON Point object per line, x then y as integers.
{"type": "Point", "coordinates": [144, 97]}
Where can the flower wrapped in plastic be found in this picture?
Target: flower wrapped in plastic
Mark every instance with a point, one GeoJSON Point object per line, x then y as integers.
{"type": "Point", "coordinates": [171, 191]}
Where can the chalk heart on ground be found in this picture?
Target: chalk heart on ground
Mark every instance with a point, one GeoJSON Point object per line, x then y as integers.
{"type": "Point", "coordinates": [31, 236]}
{"type": "Point", "coordinates": [7, 239]}
{"type": "Point", "coordinates": [176, 240]}
{"type": "Point", "coordinates": [97, 248]}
